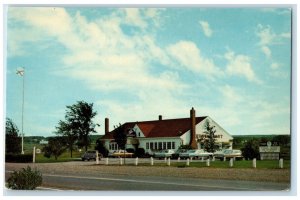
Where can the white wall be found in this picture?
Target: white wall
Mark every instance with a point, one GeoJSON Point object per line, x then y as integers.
{"type": "Point", "coordinates": [138, 131]}
{"type": "Point", "coordinates": [186, 137]}
{"type": "Point", "coordinates": [224, 136]}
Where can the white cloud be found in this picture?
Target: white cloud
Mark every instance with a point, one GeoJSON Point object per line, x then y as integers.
{"type": "Point", "coordinates": [286, 35]}
{"type": "Point", "coordinates": [240, 65]}
{"type": "Point", "coordinates": [274, 65]}
{"type": "Point", "coordinates": [133, 17]}
{"type": "Point", "coordinates": [230, 94]}
{"type": "Point", "coordinates": [266, 50]}
{"type": "Point", "coordinates": [279, 11]}
{"type": "Point", "coordinates": [265, 34]}
{"type": "Point", "coordinates": [188, 55]}
{"type": "Point", "coordinates": [206, 28]}
{"type": "Point", "coordinates": [269, 38]}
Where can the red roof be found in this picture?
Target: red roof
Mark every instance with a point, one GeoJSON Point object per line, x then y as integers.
{"type": "Point", "coordinates": [160, 128]}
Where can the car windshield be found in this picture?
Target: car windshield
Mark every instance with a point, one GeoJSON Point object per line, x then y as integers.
{"type": "Point", "coordinates": [191, 151]}
{"type": "Point", "coordinates": [228, 151]}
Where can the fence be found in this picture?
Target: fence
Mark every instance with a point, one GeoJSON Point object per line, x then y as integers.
{"type": "Point", "coordinates": [188, 162]}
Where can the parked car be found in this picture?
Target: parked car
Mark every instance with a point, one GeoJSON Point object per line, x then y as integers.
{"type": "Point", "coordinates": [121, 154]}
{"type": "Point", "coordinates": [90, 155]}
{"type": "Point", "coordinates": [229, 153]}
{"type": "Point", "coordinates": [233, 153]}
{"type": "Point", "coordinates": [177, 152]}
{"type": "Point", "coordinates": [195, 154]}
{"type": "Point", "coordinates": [164, 154]}
{"type": "Point", "coordinates": [219, 154]}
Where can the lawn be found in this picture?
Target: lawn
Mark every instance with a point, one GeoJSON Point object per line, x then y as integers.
{"type": "Point", "coordinates": [260, 164]}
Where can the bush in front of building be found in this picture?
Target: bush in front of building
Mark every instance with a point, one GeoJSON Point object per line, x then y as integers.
{"type": "Point", "coordinates": [101, 148]}
{"type": "Point", "coordinates": [187, 147]}
{"type": "Point", "coordinates": [25, 179]}
{"type": "Point", "coordinates": [130, 150]}
{"type": "Point", "coordinates": [251, 149]}
{"type": "Point", "coordinates": [18, 158]}
{"type": "Point", "coordinates": [140, 152]}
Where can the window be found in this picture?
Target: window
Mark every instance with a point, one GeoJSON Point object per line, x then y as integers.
{"type": "Point", "coordinates": [169, 145]}
{"type": "Point", "coordinates": [173, 145]}
{"type": "Point", "coordinates": [155, 145]}
{"type": "Point", "coordinates": [160, 145]}
{"type": "Point", "coordinates": [151, 145]}
{"type": "Point", "coordinates": [165, 145]}
{"type": "Point", "coordinates": [147, 145]}
{"type": "Point", "coordinates": [113, 146]}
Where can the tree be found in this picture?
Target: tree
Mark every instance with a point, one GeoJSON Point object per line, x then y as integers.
{"type": "Point", "coordinates": [251, 149]}
{"type": "Point", "coordinates": [12, 139]}
{"type": "Point", "coordinates": [78, 124]}
{"type": "Point", "coordinates": [101, 148]}
{"type": "Point", "coordinates": [282, 140]}
{"type": "Point", "coordinates": [56, 146]}
{"type": "Point", "coordinates": [120, 136]}
{"type": "Point", "coordinates": [69, 134]}
{"type": "Point", "coordinates": [209, 140]}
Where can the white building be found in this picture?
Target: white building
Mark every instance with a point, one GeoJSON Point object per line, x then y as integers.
{"type": "Point", "coordinates": [168, 134]}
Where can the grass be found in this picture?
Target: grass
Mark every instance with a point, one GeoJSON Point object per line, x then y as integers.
{"type": "Point", "coordinates": [260, 164]}
{"type": "Point", "coordinates": [65, 157]}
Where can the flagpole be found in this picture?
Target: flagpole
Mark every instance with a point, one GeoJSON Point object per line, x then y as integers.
{"type": "Point", "coordinates": [23, 115]}
{"type": "Point", "coordinates": [21, 72]}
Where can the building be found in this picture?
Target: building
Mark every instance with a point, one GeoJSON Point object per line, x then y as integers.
{"type": "Point", "coordinates": [167, 134]}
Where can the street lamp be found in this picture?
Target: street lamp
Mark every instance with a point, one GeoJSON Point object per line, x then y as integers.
{"type": "Point", "coordinates": [21, 72]}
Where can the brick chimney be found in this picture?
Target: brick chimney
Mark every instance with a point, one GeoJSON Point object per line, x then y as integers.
{"type": "Point", "coordinates": [193, 142]}
{"type": "Point", "coordinates": [159, 117]}
{"type": "Point", "coordinates": [106, 125]}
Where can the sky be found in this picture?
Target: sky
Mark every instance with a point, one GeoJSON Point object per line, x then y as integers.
{"type": "Point", "coordinates": [133, 64]}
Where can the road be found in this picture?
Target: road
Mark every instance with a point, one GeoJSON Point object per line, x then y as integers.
{"type": "Point", "coordinates": [88, 176]}
{"type": "Point", "coordinates": [123, 183]}
{"type": "Point", "coordinates": [110, 182]}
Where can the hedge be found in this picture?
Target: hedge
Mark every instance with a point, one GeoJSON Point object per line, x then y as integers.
{"type": "Point", "coordinates": [18, 158]}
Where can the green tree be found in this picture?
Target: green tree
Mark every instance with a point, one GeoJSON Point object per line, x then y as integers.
{"type": "Point", "coordinates": [70, 135]}
{"type": "Point", "coordinates": [251, 149]}
{"type": "Point", "coordinates": [282, 140]}
{"type": "Point", "coordinates": [56, 146]}
{"type": "Point", "coordinates": [101, 148]}
{"type": "Point", "coordinates": [78, 124]}
{"type": "Point", "coordinates": [12, 138]}
{"type": "Point", "coordinates": [209, 140]}
{"type": "Point", "coordinates": [120, 136]}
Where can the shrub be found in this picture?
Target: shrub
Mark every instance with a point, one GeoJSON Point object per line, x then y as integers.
{"type": "Point", "coordinates": [18, 158]}
{"type": "Point", "coordinates": [130, 150]}
{"type": "Point", "coordinates": [101, 148]}
{"type": "Point", "coordinates": [140, 152]}
{"type": "Point", "coordinates": [25, 179]}
{"type": "Point", "coordinates": [251, 149]}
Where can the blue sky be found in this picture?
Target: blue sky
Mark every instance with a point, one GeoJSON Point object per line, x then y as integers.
{"type": "Point", "coordinates": [232, 64]}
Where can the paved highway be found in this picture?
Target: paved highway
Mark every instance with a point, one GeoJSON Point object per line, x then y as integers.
{"type": "Point", "coordinates": [110, 182]}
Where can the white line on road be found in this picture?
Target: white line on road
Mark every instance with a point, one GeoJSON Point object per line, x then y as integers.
{"type": "Point", "coordinates": [149, 182]}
